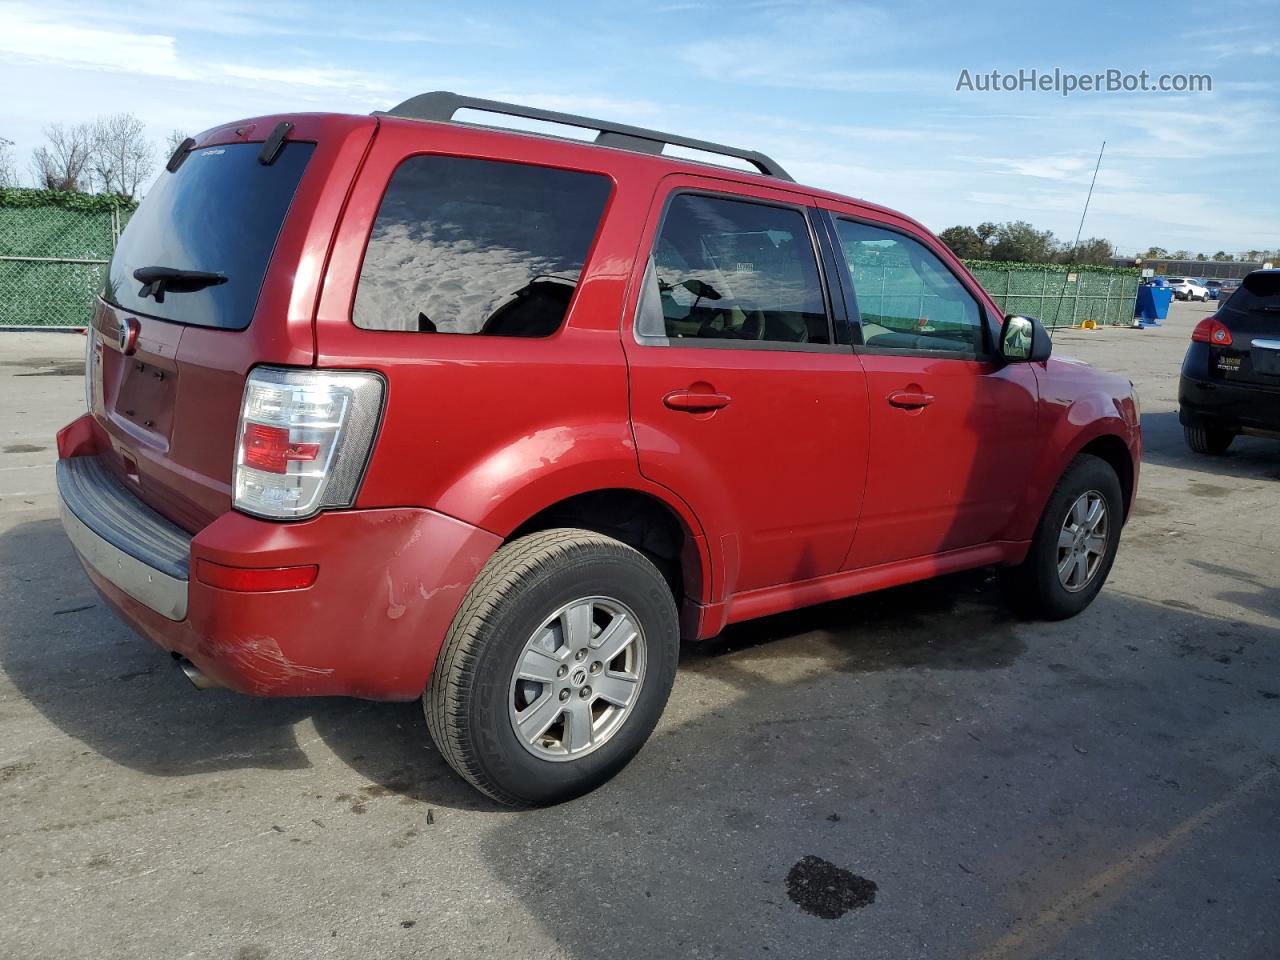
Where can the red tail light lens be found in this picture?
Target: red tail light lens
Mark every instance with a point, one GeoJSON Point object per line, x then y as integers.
{"type": "Point", "coordinates": [1211, 330]}
{"type": "Point", "coordinates": [270, 449]}
{"type": "Point", "coordinates": [254, 580]}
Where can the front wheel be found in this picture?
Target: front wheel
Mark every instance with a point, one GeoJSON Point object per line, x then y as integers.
{"type": "Point", "coordinates": [1075, 542]}
{"type": "Point", "coordinates": [556, 668]}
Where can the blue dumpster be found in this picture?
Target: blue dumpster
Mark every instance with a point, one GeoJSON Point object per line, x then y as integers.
{"type": "Point", "coordinates": [1152, 305]}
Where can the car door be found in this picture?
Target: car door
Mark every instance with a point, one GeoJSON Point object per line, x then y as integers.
{"type": "Point", "coordinates": [952, 430]}
{"type": "Point", "coordinates": [741, 400]}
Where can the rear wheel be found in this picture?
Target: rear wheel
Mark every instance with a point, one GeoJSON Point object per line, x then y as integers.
{"type": "Point", "coordinates": [556, 668]}
{"type": "Point", "coordinates": [1075, 542]}
{"type": "Point", "coordinates": [1209, 440]}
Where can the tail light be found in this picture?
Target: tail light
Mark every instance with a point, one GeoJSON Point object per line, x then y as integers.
{"type": "Point", "coordinates": [1212, 330]}
{"type": "Point", "coordinates": [304, 439]}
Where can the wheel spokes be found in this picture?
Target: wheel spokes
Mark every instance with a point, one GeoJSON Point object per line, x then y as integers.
{"type": "Point", "coordinates": [615, 638]}
{"type": "Point", "coordinates": [539, 664]}
{"type": "Point", "coordinates": [616, 688]}
{"type": "Point", "coordinates": [534, 720]}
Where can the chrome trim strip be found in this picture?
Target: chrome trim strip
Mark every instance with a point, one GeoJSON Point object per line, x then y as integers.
{"type": "Point", "coordinates": [1267, 344]}
{"type": "Point", "coordinates": [164, 594]}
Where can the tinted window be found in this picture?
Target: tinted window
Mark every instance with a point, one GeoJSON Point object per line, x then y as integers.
{"type": "Point", "coordinates": [1258, 292]}
{"type": "Point", "coordinates": [220, 213]}
{"type": "Point", "coordinates": [478, 246]}
{"type": "Point", "coordinates": [733, 270]}
{"type": "Point", "coordinates": [907, 298]}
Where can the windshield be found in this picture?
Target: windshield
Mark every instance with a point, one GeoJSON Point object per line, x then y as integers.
{"type": "Point", "coordinates": [218, 214]}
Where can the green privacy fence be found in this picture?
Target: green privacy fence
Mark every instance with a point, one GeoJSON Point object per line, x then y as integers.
{"type": "Point", "coordinates": [1059, 295]}
{"type": "Point", "coordinates": [53, 248]}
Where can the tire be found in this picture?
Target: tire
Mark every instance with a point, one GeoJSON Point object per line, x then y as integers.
{"type": "Point", "coordinates": [1208, 440]}
{"type": "Point", "coordinates": [474, 695]}
{"type": "Point", "coordinates": [1037, 588]}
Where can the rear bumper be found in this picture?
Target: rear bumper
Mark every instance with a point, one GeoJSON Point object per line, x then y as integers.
{"type": "Point", "coordinates": [388, 586]}
{"type": "Point", "coordinates": [1216, 403]}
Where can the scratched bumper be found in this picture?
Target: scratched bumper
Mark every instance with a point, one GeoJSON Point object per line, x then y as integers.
{"type": "Point", "coordinates": [389, 584]}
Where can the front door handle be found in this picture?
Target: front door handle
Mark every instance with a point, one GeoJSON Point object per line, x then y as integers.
{"type": "Point", "coordinates": [910, 399]}
{"type": "Point", "coordinates": [692, 402]}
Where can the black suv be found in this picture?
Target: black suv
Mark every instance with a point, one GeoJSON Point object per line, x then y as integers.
{"type": "Point", "coordinates": [1231, 375]}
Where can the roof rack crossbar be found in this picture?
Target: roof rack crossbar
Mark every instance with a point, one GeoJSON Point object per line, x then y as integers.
{"type": "Point", "coordinates": [441, 106]}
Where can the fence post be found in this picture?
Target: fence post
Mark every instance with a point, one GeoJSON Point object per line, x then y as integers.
{"type": "Point", "coordinates": [1075, 297]}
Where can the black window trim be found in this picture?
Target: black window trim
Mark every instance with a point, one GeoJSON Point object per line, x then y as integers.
{"type": "Point", "coordinates": [989, 337]}
{"type": "Point", "coordinates": [573, 300]}
{"type": "Point", "coordinates": [829, 300]}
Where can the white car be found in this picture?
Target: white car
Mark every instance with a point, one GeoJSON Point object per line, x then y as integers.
{"type": "Point", "coordinates": [1185, 288]}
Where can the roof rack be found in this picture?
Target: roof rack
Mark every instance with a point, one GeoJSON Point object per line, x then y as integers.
{"type": "Point", "coordinates": [441, 105]}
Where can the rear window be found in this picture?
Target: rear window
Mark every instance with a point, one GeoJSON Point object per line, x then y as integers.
{"type": "Point", "coordinates": [1258, 291]}
{"type": "Point", "coordinates": [478, 247]}
{"type": "Point", "coordinates": [219, 213]}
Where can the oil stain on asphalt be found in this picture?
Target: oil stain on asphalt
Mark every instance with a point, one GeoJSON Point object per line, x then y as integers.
{"type": "Point", "coordinates": [821, 888]}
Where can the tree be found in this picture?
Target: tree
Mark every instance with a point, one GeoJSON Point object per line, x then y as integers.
{"type": "Point", "coordinates": [173, 141]}
{"type": "Point", "coordinates": [1223, 256]}
{"type": "Point", "coordinates": [1019, 240]}
{"type": "Point", "coordinates": [1180, 255]}
{"type": "Point", "coordinates": [121, 157]}
{"type": "Point", "coordinates": [1155, 253]}
{"type": "Point", "coordinates": [1095, 251]}
{"type": "Point", "coordinates": [63, 163]}
{"type": "Point", "coordinates": [1201, 257]}
{"type": "Point", "coordinates": [964, 242]}
{"type": "Point", "coordinates": [8, 166]}
{"type": "Point", "coordinates": [986, 230]}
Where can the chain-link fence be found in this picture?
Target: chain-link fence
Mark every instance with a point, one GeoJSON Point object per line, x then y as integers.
{"type": "Point", "coordinates": [53, 249]}
{"type": "Point", "coordinates": [1061, 296]}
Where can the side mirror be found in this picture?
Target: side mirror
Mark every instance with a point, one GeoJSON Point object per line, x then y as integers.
{"type": "Point", "coordinates": [1024, 339]}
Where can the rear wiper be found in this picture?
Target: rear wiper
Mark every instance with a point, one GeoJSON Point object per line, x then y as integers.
{"type": "Point", "coordinates": [157, 281]}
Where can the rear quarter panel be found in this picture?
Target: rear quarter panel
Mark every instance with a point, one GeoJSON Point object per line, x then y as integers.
{"type": "Point", "coordinates": [491, 430]}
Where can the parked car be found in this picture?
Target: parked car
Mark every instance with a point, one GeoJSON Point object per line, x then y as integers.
{"type": "Point", "coordinates": [1226, 288]}
{"type": "Point", "coordinates": [1213, 286]}
{"type": "Point", "coordinates": [497, 420]}
{"type": "Point", "coordinates": [1230, 380]}
{"type": "Point", "coordinates": [1185, 288]}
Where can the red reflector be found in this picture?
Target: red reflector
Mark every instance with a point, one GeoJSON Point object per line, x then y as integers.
{"type": "Point", "coordinates": [1211, 330]}
{"type": "Point", "coordinates": [269, 448]}
{"type": "Point", "coordinates": [254, 579]}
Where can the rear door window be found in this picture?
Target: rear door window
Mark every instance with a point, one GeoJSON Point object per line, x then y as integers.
{"type": "Point", "coordinates": [220, 214]}
{"type": "Point", "coordinates": [733, 270]}
{"type": "Point", "coordinates": [471, 246]}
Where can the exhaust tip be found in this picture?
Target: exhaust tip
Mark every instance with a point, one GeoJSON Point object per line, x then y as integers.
{"type": "Point", "coordinates": [198, 680]}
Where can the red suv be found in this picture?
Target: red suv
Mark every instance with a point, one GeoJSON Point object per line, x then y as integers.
{"type": "Point", "coordinates": [399, 406]}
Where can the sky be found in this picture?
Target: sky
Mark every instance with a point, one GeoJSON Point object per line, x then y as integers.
{"type": "Point", "coordinates": [860, 98]}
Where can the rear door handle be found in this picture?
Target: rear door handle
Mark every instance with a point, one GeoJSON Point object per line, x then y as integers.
{"type": "Point", "coordinates": [692, 402]}
{"type": "Point", "coordinates": [910, 399]}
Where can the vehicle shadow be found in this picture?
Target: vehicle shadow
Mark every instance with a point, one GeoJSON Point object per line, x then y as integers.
{"type": "Point", "coordinates": [88, 674]}
{"type": "Point", "coordinates": [964, 805]}
{"type": "Point", "coordinates": [68, 655]}
{"type": "Point", "coordinates": [1249, 457]}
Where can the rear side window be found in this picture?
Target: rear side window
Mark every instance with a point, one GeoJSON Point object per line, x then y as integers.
{"type": "Point", "coordinates": [478, 246]}
{"type": "Point", "coordinates": [907, 299]}
{"type": "Point", "coordinates": [217, 215]}
{"type": "Point", "coordinates": [733, 270]}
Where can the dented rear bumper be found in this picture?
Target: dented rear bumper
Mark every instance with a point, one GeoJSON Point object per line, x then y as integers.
{"type": "Point", "coordinates": [388, 585]}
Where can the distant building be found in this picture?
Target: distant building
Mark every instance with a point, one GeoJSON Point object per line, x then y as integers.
{"type": "Point", "coordinates": [1200, 269]}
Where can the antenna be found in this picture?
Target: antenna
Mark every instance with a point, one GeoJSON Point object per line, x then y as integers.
{"type": "Point", "coordinates": [1076, 244]}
